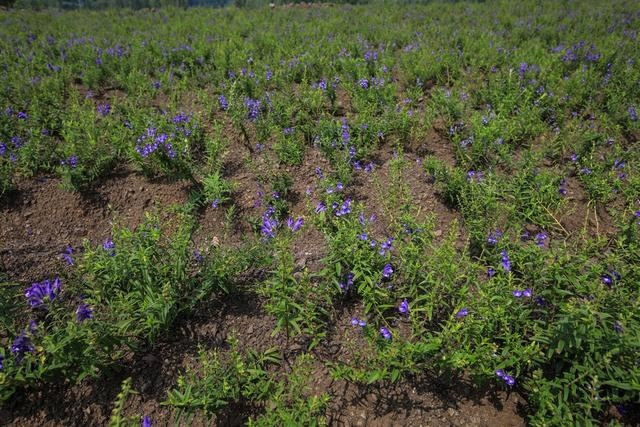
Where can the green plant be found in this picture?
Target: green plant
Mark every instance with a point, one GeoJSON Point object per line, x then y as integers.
{"type": "Point", "coordinates": [217, 383]}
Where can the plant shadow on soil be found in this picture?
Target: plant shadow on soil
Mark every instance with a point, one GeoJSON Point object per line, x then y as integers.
{"type": "Point", "coordinates": [42, 219]}
{"type": "Point", "coordinates": [418, 400]}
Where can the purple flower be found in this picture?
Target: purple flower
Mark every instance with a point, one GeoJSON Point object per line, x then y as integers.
{"type": "Point", "coordinates": [370, 55]}
{"type": "Point", "coordinates": [361, 219]}
{"type": "Point", "coordinates": [586, 171]}
{"type": "Point", "coordinates": [385, 333]}
{"type": "Point", "coordinates": [463, 312]}
{"type": "Point", "coordinates": [83, 312]}
{"type": "Point", "coordinates": [345, 286]}
{"type": "Point", "coordinates": [517, 293]}
{"type": "Point", "coordinates": [508, 379]}
{"type": "Point", "coordinates": [466, 142]}
{"type": "Point", "coordinates": [295, 225]}
{"type": "Point", "coordinates": [73, 161]}
{"type": "Point", "coordinates": [364, 83]}
{"type": "Point", "coordinates": [180, 118]}
{"type": "Point", "coordinates": [386, 246]}
{"type": "Point", "coordinates": [68, 251]}
{"type": "Point", "coordinates": [494, 237]}
{"type": "Point", "coordinates": [103, 109]}
{"type": "Point", "coordinates": [215, 203]}
{"type": "Point", "coordinates": [268, 227]}
{"type": "Point", "coordinates": [540, 239]}
{"type": "Point", "coordinates": [21, 345]}
{"type": "Point", "coordinates": [1, 362]}
{"type": "Point", "coordinates": [404, 307]}
{"type": "Point", "coordinates": [607, 280]}
{"type": "Point", "coordinates": [617, 326]}
{"type": "Point", "coordinates": [38, 294]}
{"type": "Point", "coordinates": [146, 421]}
{"type": "Point", "coordinates": [109, 246]}
{"type": "Point", "coordinates": [387, 271]}
{"type": "Point", "coordinates": [197, 255]}
{"type": "Point", "coordinates": [224, 104]}
{"type": "Point", "coordinates": [17, 141]}
{"type": "Point", "coordinates": [352, 151]}
{"type": "Point", "coordinates": [633, 114]}
{"type": "Point", "coordinates": [345, 208]}
{"type": "Point", "coordinates": [491, 272]}
{"type": "Point", "coordinates": [22, 115]}
{"type": "Point", "coordinates": [253, 108]}
{"type": "Point", "coordinates": [321, 207]}
{"type": "Point", "coordinates": [358, 322]}
{"type": "Point", "coordinates": [562, 187]}
{"type": "Point", "coordinates": [522, 69]}
{"type": "Point", "coordinates": [506, 263]}
{"type": "Point", "coordinates": [345, 131]}
{"type": "Point", "coordinates": [269, 224]}
{"type": "Point", "coordinates": [527, 293]}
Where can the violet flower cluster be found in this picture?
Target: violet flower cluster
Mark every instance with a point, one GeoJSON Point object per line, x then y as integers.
{"type": "Point", "coordinates": [41, 293]}
{"type": "Point", "coordinates": [269, 223]}
{"type": "Point", "coordinates": [508, 379]}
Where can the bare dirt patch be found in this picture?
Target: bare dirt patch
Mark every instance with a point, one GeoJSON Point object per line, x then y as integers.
{"type": "Point", "coordinates": [40, 219]}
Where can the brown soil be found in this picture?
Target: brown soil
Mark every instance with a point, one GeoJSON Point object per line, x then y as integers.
{"type": "Point", "coordinates": [40, 219]}
{"type": "Point", "coordinates": [373, 190]}
{"type": "Point", "coordinates": [423, 400]}
{"type": "Point", "coordinates": [581, 218]}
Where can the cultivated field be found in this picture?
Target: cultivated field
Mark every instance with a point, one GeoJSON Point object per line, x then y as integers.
{"type": "Point", "coordinates": [376, 215]}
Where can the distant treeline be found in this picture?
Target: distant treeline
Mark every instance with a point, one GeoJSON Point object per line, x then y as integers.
{"type": "Point", "coordinates": [105, 4]}
{"type": "Point", "coordinates": [142, 4]}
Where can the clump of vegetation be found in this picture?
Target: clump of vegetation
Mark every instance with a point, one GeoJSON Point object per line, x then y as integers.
{"type": "Point", "coordinates": [331, 123]}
